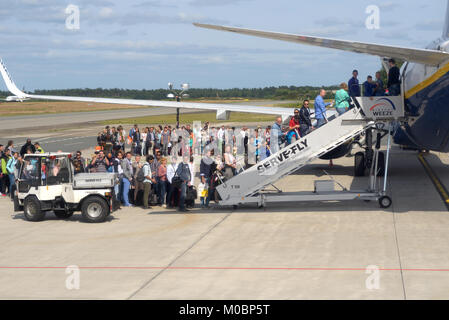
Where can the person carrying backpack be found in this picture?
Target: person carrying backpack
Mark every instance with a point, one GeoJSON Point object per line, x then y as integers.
{"type": "Point", "coordinates": [4, 174]}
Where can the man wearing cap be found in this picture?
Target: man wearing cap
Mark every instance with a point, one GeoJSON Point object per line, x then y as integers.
{"type": "Point", "coordinates": [353, 85]}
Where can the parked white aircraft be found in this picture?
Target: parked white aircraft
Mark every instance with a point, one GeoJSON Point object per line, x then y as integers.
{"type": "Point", "coordinates": [15, 99]}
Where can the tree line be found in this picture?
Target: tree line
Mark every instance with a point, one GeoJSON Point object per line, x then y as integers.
{"type": "Point", "coordinates": [281, 93]}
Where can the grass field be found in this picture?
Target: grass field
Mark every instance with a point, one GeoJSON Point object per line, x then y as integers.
{"type": "Point", "coordinates": [44, 107]}
{"type": "Point", "coordinates": [191, 117]}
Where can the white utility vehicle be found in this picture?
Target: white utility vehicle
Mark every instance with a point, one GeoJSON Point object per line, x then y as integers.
{"type": "Point", "coordinates": [47, 183]}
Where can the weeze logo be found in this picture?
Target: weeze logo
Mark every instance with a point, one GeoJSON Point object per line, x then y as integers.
{"type": "Point", "coordinates": [385, 107]}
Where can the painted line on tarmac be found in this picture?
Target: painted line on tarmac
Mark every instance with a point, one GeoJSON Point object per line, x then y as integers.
{"type": "Point", "coordinates": [442, 191]}
{"type": "Point", "coordinates": [238, 268]}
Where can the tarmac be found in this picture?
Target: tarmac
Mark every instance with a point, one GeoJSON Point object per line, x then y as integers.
{"type": "Point", "coordinates": [319, 250]}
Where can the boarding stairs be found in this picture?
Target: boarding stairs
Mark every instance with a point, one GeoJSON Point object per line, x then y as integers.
{"type": "Point", "coordinates": [249, 185]}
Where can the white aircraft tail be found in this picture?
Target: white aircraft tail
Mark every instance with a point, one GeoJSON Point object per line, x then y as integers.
{"type": "Point", "coordinates": [9, 83]}
{"type": "Point", "coordinates": [446, 23]}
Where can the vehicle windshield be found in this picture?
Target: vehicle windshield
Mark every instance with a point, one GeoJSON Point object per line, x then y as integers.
{"type": "Point", "coordinates": [30, 169]}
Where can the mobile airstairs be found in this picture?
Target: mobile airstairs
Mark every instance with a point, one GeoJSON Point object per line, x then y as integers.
{"type": "Point", "coordinates": [375, 114]}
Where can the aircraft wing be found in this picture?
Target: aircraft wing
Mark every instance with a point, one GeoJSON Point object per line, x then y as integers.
{"type": "Point", "coordinates": [424, 56]}
{"type": "Point", "coordinates": [220, 108]}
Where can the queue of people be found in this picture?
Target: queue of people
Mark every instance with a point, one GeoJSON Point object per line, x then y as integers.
{"type": "Point", "coordinates": [142, 182]}
{"type": "Point", "coordinates": [146, 141]}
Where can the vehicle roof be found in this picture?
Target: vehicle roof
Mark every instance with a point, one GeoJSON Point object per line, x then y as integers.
{"type": "Point", "coordinates": [48, 154]}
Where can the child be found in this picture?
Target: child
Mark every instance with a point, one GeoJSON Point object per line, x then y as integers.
{"type": "Point", "coordinates": [203, 194]}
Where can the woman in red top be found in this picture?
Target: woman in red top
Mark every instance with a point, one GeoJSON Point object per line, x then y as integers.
{"type": "Point", "coordinates": [293, 127]}
{"type": "Point", "coordinates": [162, 180]}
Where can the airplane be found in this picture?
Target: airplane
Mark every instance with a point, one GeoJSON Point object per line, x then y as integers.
{"type": "Point", "coordinates": [425, 77]}
{"type": "Point", "coordinates": [15, 99]}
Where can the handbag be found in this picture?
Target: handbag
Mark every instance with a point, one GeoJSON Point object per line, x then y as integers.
{"type": "Point", "coordinates": [176, 182]}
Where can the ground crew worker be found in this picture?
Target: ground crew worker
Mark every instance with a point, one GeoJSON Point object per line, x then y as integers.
{"type": "Point", "coordinates": [368, 87]}
{"type": "Point", "coordinates": [38, 148]}
{"type": "Point", "coordinates": [353, 85]}
{"type": "Point", "coordinates": [379, 90]}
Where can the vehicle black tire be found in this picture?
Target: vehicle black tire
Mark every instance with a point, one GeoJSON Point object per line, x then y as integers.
{"type": "Point", "coordinates": [381, 164]}
{"type": "Point", "coordinates": [385, 202]}
{"type": "Point", "coordinates": [63, 214]}
{"type": "Point", "coordinates": [32, 209]}
{"type": "Point", "coordinates": [95, 209]}
{"type": "Point", "coordinates": [359, 164]}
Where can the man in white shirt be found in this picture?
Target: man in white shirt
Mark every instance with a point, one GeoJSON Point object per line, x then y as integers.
{"type": "Point", "coordinates": [148, 181]}
{"type": "Point", "coordinates": [220, 137]}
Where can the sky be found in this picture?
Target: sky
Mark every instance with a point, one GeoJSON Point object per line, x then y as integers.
{"type": "Point", "coordinates": [144, 44]}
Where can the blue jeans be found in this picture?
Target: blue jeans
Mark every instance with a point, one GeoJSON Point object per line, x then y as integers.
{"type": "Point", "coordinates": [340, 111]}
{"type": "Point", "coordinates": [304, 130]}
{"type": "Point", "coordinates": [394, 90]}
{"type": "Point", "coordinates": [290, 136]}
{"type": "Point", "coordinates": [320, 122]}
{"type": "Point", "coordinates": [12, 183]}
{"type": "Point", "coordinates": [125, 194]}
{"type": "Point", "coordinates": [162, 188]}
{"type": "Point", "coordinates": [117, 190]}
{"type": "Point", "coordinates": [182, 198]}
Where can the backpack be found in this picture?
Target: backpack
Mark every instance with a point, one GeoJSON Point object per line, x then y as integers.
{"type": "Point", "coordinates": [141, 175]}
